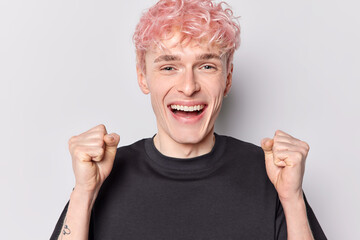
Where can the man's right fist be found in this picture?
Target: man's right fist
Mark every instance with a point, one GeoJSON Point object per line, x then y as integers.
{"type": "Point", "coordinates": [93, 153]}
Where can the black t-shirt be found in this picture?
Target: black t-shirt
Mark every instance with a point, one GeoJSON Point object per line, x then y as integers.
{"type": "Point", "coordinates": [222, 195]}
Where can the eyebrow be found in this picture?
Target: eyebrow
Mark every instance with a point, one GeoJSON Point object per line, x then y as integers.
{"type": "Point", "coordinates": [168, 58]}
{"type": "Point", "coordinates": [207, 56]}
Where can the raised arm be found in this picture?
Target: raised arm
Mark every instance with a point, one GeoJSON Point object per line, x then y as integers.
{"type": "Point", "coordinates": [93, 153]}
{"type": "Point", "coordinates": [285, 165]}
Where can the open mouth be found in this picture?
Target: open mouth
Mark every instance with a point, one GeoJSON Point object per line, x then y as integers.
{"type": "Point", "coordinates": [187, 111]}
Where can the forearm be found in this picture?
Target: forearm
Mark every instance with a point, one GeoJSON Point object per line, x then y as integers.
{"type": "Point", "coordinates": [77, 220]}
{"type": "Point", "coordinates": [296, 219]}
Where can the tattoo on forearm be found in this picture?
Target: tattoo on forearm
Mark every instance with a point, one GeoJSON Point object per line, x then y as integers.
{"type": "Point", "coordinates": [66, 230]}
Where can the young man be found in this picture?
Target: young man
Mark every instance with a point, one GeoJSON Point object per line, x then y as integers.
{"type": "Point", "coordinates": [187, 182]}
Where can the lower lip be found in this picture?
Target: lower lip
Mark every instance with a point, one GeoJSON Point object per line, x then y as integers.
{"type": "Point", "coordinates": [188, 120]}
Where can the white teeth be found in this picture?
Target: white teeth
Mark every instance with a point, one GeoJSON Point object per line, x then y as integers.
{"type": "Point", "coordinates": [187, 108]}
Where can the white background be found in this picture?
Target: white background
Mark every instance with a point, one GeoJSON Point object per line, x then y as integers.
{"type": "Point", "coordinates": [66, 66]}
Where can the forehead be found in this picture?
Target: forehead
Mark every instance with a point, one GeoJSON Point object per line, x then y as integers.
{"type": "Point", "coordinates": [178, 44]}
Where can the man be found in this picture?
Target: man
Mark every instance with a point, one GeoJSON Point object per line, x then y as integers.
{"type": "Point", "coordinates": [187, 182]}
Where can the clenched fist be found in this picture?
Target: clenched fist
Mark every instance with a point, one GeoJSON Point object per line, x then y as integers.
{"type": "Point", "coordinates": [285, 163]}
{"type": "Point", "coordinates": [93, 153]}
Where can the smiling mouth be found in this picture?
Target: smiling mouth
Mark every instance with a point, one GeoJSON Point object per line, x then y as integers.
{"type": "Point", "coordinates": [187, 111]}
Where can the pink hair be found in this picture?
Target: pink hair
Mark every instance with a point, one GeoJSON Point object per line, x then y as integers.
{"type": "Point", "coordinates": [194, 19]}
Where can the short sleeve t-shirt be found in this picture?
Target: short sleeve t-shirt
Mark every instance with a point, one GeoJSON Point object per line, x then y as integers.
{"type": "Point", "coordinates": [224, 194]}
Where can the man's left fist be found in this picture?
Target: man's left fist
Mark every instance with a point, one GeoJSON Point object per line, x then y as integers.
{"type": "Point", "coordinates": [285, 164]}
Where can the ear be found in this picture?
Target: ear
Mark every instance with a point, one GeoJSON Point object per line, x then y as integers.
{"type": "Point", "coordinates": [142, 80]}
{"type": "Point", "coordinates": [228, 80]}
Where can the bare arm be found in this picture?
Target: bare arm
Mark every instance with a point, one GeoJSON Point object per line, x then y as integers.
{"type": "Point", "coordinates": [296, 219]}
{"type": "Point", "coordinates": [93, 153]}
{"type": "Point", "coordinates": [76, 223]}
{"type": "Point", "coordinates": [285, 165]}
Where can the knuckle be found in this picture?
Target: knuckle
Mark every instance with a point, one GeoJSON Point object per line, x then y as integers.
{"type": "Point", "coordinates": [71, 140]}
{"type": "Point", "coordinates": [306, 145]}
{"type": "Point", "coordinates": [101, 127]}
{"type": "Point", "coordinates": [278, 131]}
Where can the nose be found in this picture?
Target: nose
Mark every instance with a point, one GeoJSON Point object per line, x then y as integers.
{"type": "Point", "coordinates": [188, 84]}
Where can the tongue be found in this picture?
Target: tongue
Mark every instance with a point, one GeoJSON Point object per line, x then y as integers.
{"type": "Point", "coordinates": [186, 114]}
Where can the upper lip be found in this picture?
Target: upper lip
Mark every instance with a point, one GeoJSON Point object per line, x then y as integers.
{"type": "Point", "coordinates": [189, 104]}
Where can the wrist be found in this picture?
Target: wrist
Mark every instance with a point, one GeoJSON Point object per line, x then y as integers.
{"type": "Point", "coordinates": [294, 206]}
{"type": "Point", "coordinates": [292, 199]}
{"type": "Point", "coordinates": [85, 198]}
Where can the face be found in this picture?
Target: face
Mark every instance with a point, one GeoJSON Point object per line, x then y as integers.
{"type": "Point", "coordinates": [187, 84]}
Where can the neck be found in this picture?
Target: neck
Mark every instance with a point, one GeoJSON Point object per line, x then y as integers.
{"type": "Point", "coordinates": [171, 148]}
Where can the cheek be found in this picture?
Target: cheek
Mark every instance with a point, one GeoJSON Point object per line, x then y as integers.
{"type": "Point", "coordinates": [217, 89]}
{"type": "Point", "coordinates": [160, 89]}
{"type": "Point", "coordinates": [156, 97]}
{"type": "Point", "coordinates": [158, 92]}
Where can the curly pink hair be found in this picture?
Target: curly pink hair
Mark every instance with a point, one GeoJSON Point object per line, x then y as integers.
{"type": "Point", "coordinates": [194, 19]}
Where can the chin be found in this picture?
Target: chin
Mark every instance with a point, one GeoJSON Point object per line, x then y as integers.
{"type": "Point", "coordinates": [189, 136]}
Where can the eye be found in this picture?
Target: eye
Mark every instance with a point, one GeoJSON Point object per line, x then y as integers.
{"type": "Point", "coordinates": [167, 68]}
{"type": "Point", "coordinates": [208, 67]}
